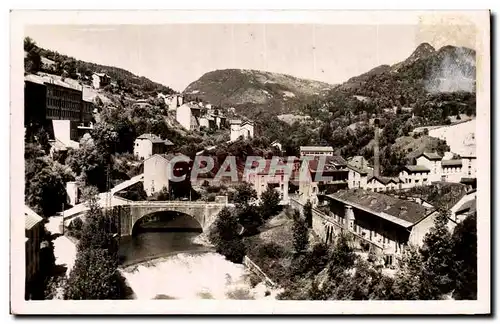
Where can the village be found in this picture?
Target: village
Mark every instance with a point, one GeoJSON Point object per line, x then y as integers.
{"type": "Point", "coordinates": [383, 214]}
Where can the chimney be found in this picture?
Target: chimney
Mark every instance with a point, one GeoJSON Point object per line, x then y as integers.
{"type": "Point", "coordinates": [376, 150]}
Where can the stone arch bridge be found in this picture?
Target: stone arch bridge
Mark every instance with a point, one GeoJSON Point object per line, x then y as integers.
{"type": "Point", "coordinates": [129, 212]}
{"type": "Point", "coordinates": [203, 212]}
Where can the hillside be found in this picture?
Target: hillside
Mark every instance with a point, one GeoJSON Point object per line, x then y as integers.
{"type": "Point", "coordinates": [252, 91]}
{"type": "Point", "coordinates": [39, 59]}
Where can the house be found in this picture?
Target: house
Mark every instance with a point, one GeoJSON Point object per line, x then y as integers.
{"type": "Point", "coordinates": [241, 129]}
{"type": "Point", "coordinates": [277, 145]}
{"type": "Point", "coordinates": [359, 162]}
{"type": "Point", "coordinates": [100, 80]}
{"type": "Point", "coordinates": [188, 115]}
{"type": "Point", "coordinates": [220, 121]}
{"type": "Point", "coordinates": [432, 161]}
{"type": "Point", "coordinates": [275, 178]}
{"type": "Point", "coordinates": [158, 171]}
{"type": "Point", "coordinates": [313, 172]}
{"type": "Point", "coordinates": [414, 175]}
{"type": "Point", "coordinates": [33, 230]}
{"type": "Point", "coordinates": [464, 206]}
{"type": "Point", "coordinates": [451, 170]}
{"type": "Point", "coordinates": [316, 151]}
{"type": "Point", "coordinates": [381, 183]}
{"type": "Point", "coordinates": [379, 222]}
{"type": "Point", "coordinates": [469, 165]}
{"type": "Point", "coordinates": [357, 177]}
{"type": "Point", "coordinates": [147, 145]}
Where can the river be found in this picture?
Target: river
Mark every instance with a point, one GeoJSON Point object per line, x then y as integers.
{"type": "Point", "coordinates": [176, 265]}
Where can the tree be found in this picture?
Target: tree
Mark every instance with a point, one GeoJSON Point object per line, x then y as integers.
{"type": "Point", "coordinates": [437, 259]}
{"type": "Point", "coordinates": [270, 203]}
{"type": "Point", "coordinates": [250, 218]}
{"type": "Point", "coordinates": [224, 235]}
{"type": "Point", "coordinates": [32, 61]}
{"type": "Point", "coordinates": [29, 44]}
{"type": "Point", "coordinates": [300, 233]}
{"type": "Point", "coordinates": [465, 257]}
{"type": "Point", "coordinates": [98, 230]}
{"type": "Point", "coordinates": [94, 276]}
{"type": "Point", "coordinates": [308, 214]}
{"type": "Point", "coordinates": [407, 280]}
{"type": "Point", "coordinates": [244, 194]}
{"type": "Point", "coordinates": [45, 182]}
{"type": "Point", "coordinates": [342, 256]}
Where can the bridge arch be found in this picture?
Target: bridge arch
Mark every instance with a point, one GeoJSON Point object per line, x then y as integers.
{"type": "Point", "coordinates": [167, 220]}
{"type": "Point", "coordinates": [204, 213]}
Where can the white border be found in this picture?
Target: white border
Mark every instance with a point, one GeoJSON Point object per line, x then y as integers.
{"type": "Point", "coordinates": [18, 19]}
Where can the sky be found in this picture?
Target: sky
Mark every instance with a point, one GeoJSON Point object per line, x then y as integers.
{"type": "Point", "coordinates": [178, 54]}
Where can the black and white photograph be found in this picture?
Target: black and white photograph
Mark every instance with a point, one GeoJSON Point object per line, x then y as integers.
{"type": "Point", "coordinates": [166, 160]}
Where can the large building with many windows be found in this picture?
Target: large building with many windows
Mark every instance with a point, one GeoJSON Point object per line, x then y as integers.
{"type": "Point", "coordinates": [48, 98]}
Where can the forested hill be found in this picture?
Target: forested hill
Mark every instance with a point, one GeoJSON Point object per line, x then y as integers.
{"type": "Point", "coordinates": [253, 92]}
{"type": "Point", "coordinates": [40, 59]}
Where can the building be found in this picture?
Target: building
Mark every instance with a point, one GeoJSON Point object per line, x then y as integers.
{"type": "Point", "coordinates": [158, 171]}
{"type": "Point", "coordinates": [316, 151]}
{"type": "Point", "coordinates": [451, 170]}
{"type": "Point", "coordinates": [381, 183]}
{"type": "Point", "coordinates": [469, 165]}
{"type": "Point", "coordinates": [33, 229]}
{"type": "Point", "coordinates": [277, 179]}
{"type": "Point", "coordinates": [311, 171]}
{"type": "Point", "coordinates": [241, 129]}
{"type": "Point", "coordinates": [415, 175]}
{"type": "Point", "coordinates": [379, 222]}
{"type": "Point", "coordinates": [358, 178]}
{"type": "Point", "coordinates": [277, 145]}
{"type": "Point", "coordinates": [100, 80]}
{"type": "Point", "coordinates": [432, 161]}
{"type": "Point", "coordinates": [48, 99]}
{"type": "Point", "coordinates": [147, 145]}
{"type": "Point", "coordinates": [359, 162]}
{"type": "Point", "coordinates": [188, 115]}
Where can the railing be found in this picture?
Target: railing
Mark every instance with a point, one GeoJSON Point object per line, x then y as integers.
{"type": "Point", "coordinates": [258, 271]}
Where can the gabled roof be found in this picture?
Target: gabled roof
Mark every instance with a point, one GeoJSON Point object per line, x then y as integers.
{"type": "Point", "coordinates": [31, 218]}
{"type": "Point", "coordinates": [169, 156]}
{"type": "Point", "coordinates": [402, 212]}
{"type": "Point", "coordinates": [358, 170]}
{"type": "Point", "coordinates": [430, 156]}
{"type": "Point", "coordinates": [247, 122]}
{"type": "Point", "coordinates": [155, 139]}
{"type": "Point", "coordinates": [385, 180]}
{"type": "Point", "coordinates": [451, 163]}
{"type": "Point", "coordinates": [468, 206]}
{"type": "Point", "coordinates": [417, 168]}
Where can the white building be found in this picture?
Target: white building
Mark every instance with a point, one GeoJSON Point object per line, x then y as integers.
{"type": "Point", "coordinates": [357, 177]}
{"type": "Point", "coordinates": [158, 172]}
{"type": "Point", "coordinates": [241, 129]}
{"type": "Point", "coordinates": [381, 184]}
{"type": "Point", "coordinates": [316, 151]}
{"type": "Point", "coordinates": [415, 175]}
{"type": "Point", "coordinates": [100, 80]}
{"type": "Point", "coordinates": [147, 145]}
{"type": "Point", "coordinates": [451, 170]}
{"type": "Point", "coordinates": [187, 115]}
{"type": "Point", "coordinates": [431, 161]}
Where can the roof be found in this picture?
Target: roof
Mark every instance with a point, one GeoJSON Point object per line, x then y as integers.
{"type": "Point", "coordinates": [403, 212]}
{"type": "Point", "coordinates": [247, 122]}
{"type": "Point", "coordinates": [446, 163]}
{"type": "Point", "coordinates": [101, 74]}
{"type": "Point", "coordinates": [430, 156]}
{"type": "Point", "coordinates": [58, 145]}
{"type": "Point", "coordinates": [31, 218]}
{"type": "Point", "coordinates": [385, 180]}
{"type": "Point", "coordinates": [235, 121]}
{"type": "Point", "coordinates": [50, 79]}
{"type": "Point", "coordinates": [317, 148]}
{"type": "Point", "coordinates": [468, 206]}
{"type": "Point", "coordinates": [358, 170]}
{"type": "Point", "coordinates": [155, 139]}
{"type": "Point", "coordinates": [417, 168]}
{"type": "Point", "coordinates": [169, 156]}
